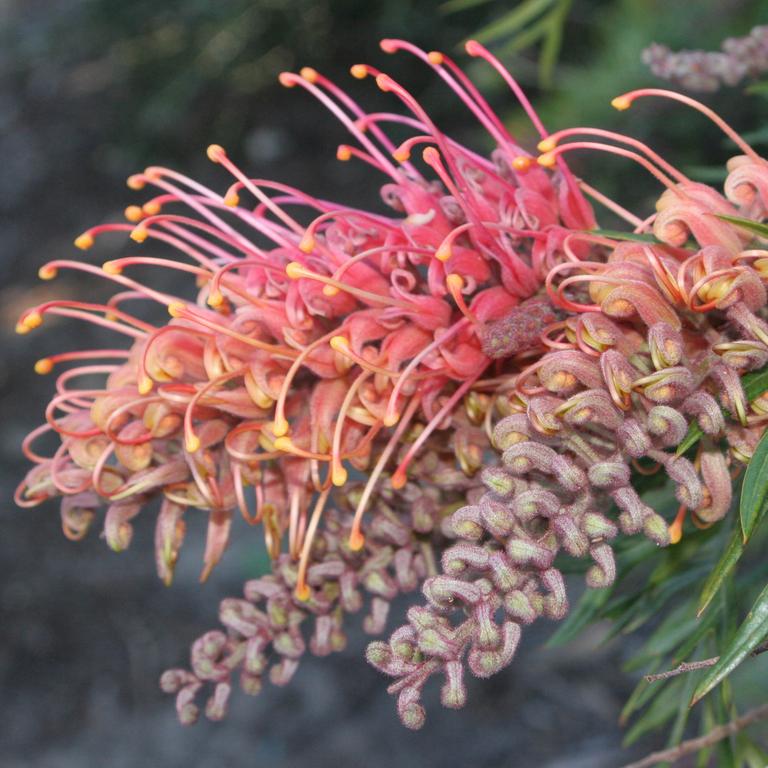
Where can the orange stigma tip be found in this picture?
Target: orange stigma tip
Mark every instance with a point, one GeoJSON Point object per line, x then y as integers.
{"type": "Point", "coordinates": [145, 385]}
{"type": "Point", "coordinates": [302, 592]}
{"type": "Point", "coordinates": [522, 163]}
{"type": "Point", "coordinates": [398, 480]}
{"type": "Point", "coordinates": [139, 234]}
{"type": "Point", "coordinates": [356, 541]}
{"type": "Point", "coordinates": [134, 213]}
{"type": "Point", "coordinates": [546, 145]}
{"type": "Point", "coordinates": [330, 290]}
{"type": "Point", "coordinates": [232, 199]}
{"type": "Point", "coordinates": [136, 181]}
{"type": "Point", "coordinates": [309, 74]}
{"type": "Point", "coordinates": [359, 71]}
{"type": "Point", "coordinates": [547, 160]}
{"type": "Point", "coordinates": [192, 443]}
{"type": "Point", "coordinates": [343, 153]}
{"type": "Point", "coordinates": [675, 532]}
{"type": "Point", "coordinates": [44, 366]}
{"type": "Point", "coordinates": [47, 273]}
{"type": "Point", "coordinates": [339, 476]}
{"type": "Point", "coordinates": [152, 208]}
{"type": "Point", "coordinates": [443, 253]}
{"type": "Point", "coordinates": [384, 82]}
{"type": "Point", "coordinates": [436, 58]}
{"type": "Point", "coordinates": [294, 270]}
{"type": "Point", "coordinates": [283, 443]}
{"type": "Point", "coordinates": [280, 427]}
{"type": "Point", "coordinates": [216, 299]}
{"type": "Point", "coordinates": [401, 155]}
{"type": "Point", "coordinates": [306, 245]}
{"type": "Point", "coordinates": [84, 242]}
{"type": "Point", "coordinates": [112, 267]}
{"type": "Point", "coordinates": [390, 419]}
{"type": "Point", "coordinates": [176, 308]}
{"type": "Point", "coordinates": [215, 153]}
{"type": "Point", "coordinates": [287, 79]}
{"type": "Point", "coordinates": [430, 155]}
{"type": "Point", "coordinates": [29, 322]}
{"type": "Point", "coordinates": [621, 103]}
{"type": "Point", "coordinates": [454, 282]}
{"type": "Point", "coordinates": [339, 343]}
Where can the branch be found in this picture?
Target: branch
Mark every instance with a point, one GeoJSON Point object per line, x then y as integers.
{"type": "Point", "coordinates": [694, 745]}
{"type": "Point", "coordinates": [692, 666]}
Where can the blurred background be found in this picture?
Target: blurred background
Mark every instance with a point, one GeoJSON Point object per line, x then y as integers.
{"type": "Point", "coordinates": [93, 90]}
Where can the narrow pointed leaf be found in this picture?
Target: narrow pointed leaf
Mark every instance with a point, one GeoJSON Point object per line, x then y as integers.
{"type": "Point", "coordinates": [754, 491]}
{"type": "Point", "coordinates": [749, 635]}
{"type": "Point", "coordinates": [724, 566]}
{"type": "Point", "coordinates": [634, 237]}
{"type": "Point", "coordinates": [761, 230]}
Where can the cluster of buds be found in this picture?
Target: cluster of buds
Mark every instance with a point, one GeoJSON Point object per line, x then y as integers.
{"type": "Point", "coordinates": [653, 340]}
{"type": "Point", "coordinates": [740, 57]}
{"type": "Point", "coordinates": [483, 313]}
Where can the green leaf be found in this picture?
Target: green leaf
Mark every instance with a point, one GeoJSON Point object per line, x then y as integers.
{"type": "Point", "coordinates": [692, 436]}
{"type": "Point", "coordinates": [724, 566]}
{"type": "Point", "coordinates": [513, 21]}
{"type": "Point", "coordinates": [635, 237]}
{"type": "Point", "coordinates": [754, 491]}
{"type": "Point", "coordinates": [550, 50]}
{"type": "Point", "coordinates": [453, 6]}
{"type": "Point", "coordinates": [750, 634]}
{"type": "Point", "coordinates": [761, 230]}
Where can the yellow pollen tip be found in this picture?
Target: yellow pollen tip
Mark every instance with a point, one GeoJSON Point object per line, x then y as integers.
{"type": "Point", "coordinates": [30, 321]}
{"type": "Point", "coordinates": [139, 234]}
{"type": "Point", "coordinates": [84, 242]}
{"type": "Point", "coordinates": [136, 181]}
{"type": "Point", "coordinates": [280, 427]}
{"type": "Point", "coordinates": [547, 160]}
{"type": "Point", "coordinates": [397, 481]}
{"type": "Point", "coordinates": [309, 74]}
{"type": "Point", "coordinates": [152, 208]}
{"type": "Point", "coordinates": [215, 153]}
{"type": "Point", "coordinates": [287, 79]}
{"type": "Point", "coordinates": [294, 270]}
{"type": "Point", "coordinates": [21, 329]}
{"type": "Point", "coordinates": [145, 385]}
{"type": "Point", "coordinates": [134, 213]}
{"type": "Point", "coordinates": [436, 58]}
{"type": "Point", "coordinates": [339, 476]}
{"type": "Point", "coordinates": [358, 71]}
{"type": "Point", "coordinates": [47, 273]}
{"type": "Point", "coordinates": [216, 299]}
{"type": "Point", "coordinates": [176, 308]}
{"type": "Point", "coordinates": [621, 103]}
{"type": "Point", "coordinates": [302, 592]}
{"type": "Point", "coordinates": [112, 268]}
{"type": "Point", "coordinates": [401, 155]}
{"type": "Point", "coordinates": [344, 153]}
{"type": "Point", "coordinates": [192, 443]}
{"type": "Point", "coordinates": [232, 199]}
{"type": "Point", "coordinates": [356, 541]}
{"type": "Point", "coordinates": [443, 253]}
{"type": "Point", "coordinates": [330, 290]}
{"type": "Point", "coordinates": [546, 145]}
{"type": "Point", "coordinates": [454, 282]}
{"type": "Point", "coordinates": [339, 344]}
{"type": "Point", "coordinates": [283, 443]}
{"type": "Point", "coordinates": [522, 163]}
{"type": "Point", "coordinates": [390, 419]}
{"type": "Point", "coordinates": [44, 366]}
{"type": "Point", "coordinates": [307, 244]}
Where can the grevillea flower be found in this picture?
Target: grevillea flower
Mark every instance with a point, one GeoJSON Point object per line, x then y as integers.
{"type": "Point", "coordinates": [738, 58]}
{"type": "Point", "coordinates": [328, 343]}
{"type": "Point", "coordinates": [654, 338]}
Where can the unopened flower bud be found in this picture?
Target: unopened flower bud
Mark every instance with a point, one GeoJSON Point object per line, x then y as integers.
{"type": "Point", "coordinates": [510, 431]}
{"type": "Point", "coordinates": [667, 425]}
{"type": "Point", "coordinates": [486, 663]}
{"type": "Point", "coordinates": [498, 481]}
{"type": "Point", "coordinates": [666, 345]}
{"type": "Point", "coordinates": [603, 572]}
{"type": "Point", "coordinates": [609, 474]}
{"type": "Point", "coordinates": [453, 694]}
{"type": "Point", "coordinates": [411, 713]}
{"type": "Point", "coordinates": [519, 607]}
{"type": "Point", "coordinates": [633, 438]}
{"type": "Point", "coordinates": [526, 552]}
{"type": "Point", "coordinates": [216, 706]}
{"type": "Point", "coordinates": [656, 529]}
{"type": "Point", "coordinates": [465, 523]}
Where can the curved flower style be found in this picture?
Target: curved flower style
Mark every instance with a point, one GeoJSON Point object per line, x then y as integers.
{"type": "Point", "coordinates": [484, 312]}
